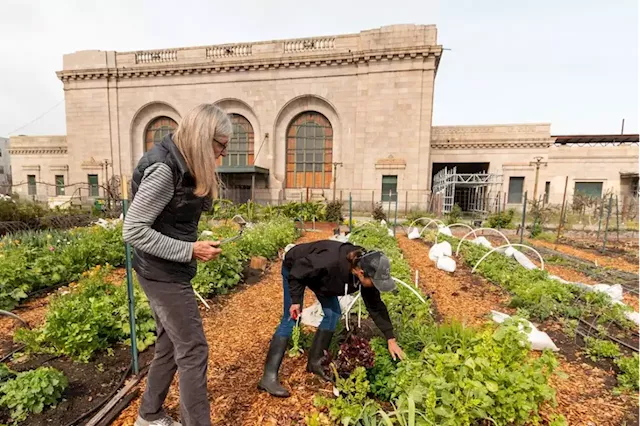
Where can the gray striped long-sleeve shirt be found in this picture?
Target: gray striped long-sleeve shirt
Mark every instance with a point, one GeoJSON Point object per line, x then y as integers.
{"type": "Point", "coordinates": [153, 195]}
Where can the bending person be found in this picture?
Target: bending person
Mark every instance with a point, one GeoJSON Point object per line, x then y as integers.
{"type": "Point", "coordinates": [329, 269]}
{"type": "Point", "coordinates": [172, 185]}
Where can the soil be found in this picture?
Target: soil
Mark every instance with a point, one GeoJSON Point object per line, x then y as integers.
{"type": "Point", "coordinates": [627, 249]}
{"type": "Point", "coordinates": [239, 328]}
{"type": "Point", "coordinates": [89, 384]}
{"type": "Point", "coordinates": [603, 260]}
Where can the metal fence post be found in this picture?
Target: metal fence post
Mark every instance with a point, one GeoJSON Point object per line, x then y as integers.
{"type": "Point", "coordinates": [617, 220]}
{"type": "Point", "coordinates": [395, 220]}
{"type": "Point", "coordinates": [132, 310]}
{"type": "Point", "coordinates": [606, 229]}
{"type": "Point", "coordinates": [564, 200]}
{"type": "Point", "coordinates": [350, 214]}
{"type": "Point", "coordinates": [389, 207]}
{"type": "Point", "coordinates": [600, 221]}
{"type": "Point", "coordinates": [524, 217]}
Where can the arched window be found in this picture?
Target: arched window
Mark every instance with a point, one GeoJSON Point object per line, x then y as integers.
{"type": "Point", "coordinates": [240, 151]}
{"type": "Point", "coordinates": [157, 129]}
{"type": "Point", "coordinates": [309, 151]}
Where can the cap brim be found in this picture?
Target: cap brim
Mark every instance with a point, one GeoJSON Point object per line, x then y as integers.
{"type": "Point", "coordinates": [385, 285]}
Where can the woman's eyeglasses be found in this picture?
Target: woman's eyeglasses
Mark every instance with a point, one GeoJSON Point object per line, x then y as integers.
{"type": "Point", "coordinates": [223, 146]}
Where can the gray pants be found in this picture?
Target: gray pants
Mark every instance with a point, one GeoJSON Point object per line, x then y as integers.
{"type": "Point", "coordinates": [181, 346]}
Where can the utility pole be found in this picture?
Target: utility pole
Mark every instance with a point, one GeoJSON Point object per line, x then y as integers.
{"type": "Point", "coordinates": [537, 163]}
{"type": "Point", "coordinates": [335, 173]}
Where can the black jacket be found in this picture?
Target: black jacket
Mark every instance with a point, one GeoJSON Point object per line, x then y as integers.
{"type": "Point", "coordinates": [323, 267]}
{"type": "Point", "coordinates": [178, 220]}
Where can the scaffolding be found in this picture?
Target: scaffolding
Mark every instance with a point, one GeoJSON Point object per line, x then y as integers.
{"type": "Point", "coordinates": [473, 192]}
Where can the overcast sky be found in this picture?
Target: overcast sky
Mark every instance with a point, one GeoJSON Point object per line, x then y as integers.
{"type": "Point", "coordinates": [573, 63]}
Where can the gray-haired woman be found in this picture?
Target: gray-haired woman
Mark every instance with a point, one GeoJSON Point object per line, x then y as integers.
{"type": "Point", "coordinates": [171, 186]}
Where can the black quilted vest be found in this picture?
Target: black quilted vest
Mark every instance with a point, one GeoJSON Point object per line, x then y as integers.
{"type": "Point", "coordinates": [178, 220]}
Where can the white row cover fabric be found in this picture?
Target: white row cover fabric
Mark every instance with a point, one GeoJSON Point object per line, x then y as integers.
{"type": "Point", "coordinates": [312, 316]}
{"type": "Point", "coordinates": [438, 250]}
{"type": "Point", "coordinates": [445, 230]}
{"type": "Point", "coordinates": [414, 233]}
{"type": "Point", "coordinates": [539, 339]}
{"type": "Point", "coordinates": [482, 241]}
{"type": "Point", "coordinates": [446, 263]}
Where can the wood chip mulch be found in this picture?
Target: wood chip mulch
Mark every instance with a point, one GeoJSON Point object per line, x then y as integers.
{"type": "Point", "coordinates": [460, 295]}
{"type": "Point", "coordinates": [239, 330]}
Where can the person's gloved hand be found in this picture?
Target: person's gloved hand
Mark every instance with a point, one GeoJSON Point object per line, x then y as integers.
{"type": "Point", "coordinates": [205, 251]}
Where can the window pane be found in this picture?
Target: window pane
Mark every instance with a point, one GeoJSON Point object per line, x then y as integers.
{"type": "Point", "coordinates": [389, 188]}
{"type": "Point", "coordinates": [590, 189]}
{"type": "Point", "coordinates": [516, 186]}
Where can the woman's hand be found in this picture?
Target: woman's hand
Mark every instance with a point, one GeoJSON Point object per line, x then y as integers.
{"type": "Point", "coordinates": [395, 350]}
{"type": "Point", "coordinates": [205, 251]}
{"type": "Point", "coordinates": [294, 312]}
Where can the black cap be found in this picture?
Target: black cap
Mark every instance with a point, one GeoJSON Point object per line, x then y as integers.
{"type": "Point", "coordinates": [378, 267]}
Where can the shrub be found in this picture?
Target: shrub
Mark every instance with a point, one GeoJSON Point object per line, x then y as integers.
{"type": "Point", "coordinates": [501, 220]}
{"type": "Point", "coordinates": [334, 211]}
{"type": "Point", "coordinates": [378, 212]}
{"type": "Point", "coordinates": [33, 391]}
{"type": "Point", "coordinates": [455, 215]}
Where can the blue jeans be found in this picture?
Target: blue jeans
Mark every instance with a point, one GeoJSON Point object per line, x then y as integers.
{"type": "Point", "coordinates": [330, 307]}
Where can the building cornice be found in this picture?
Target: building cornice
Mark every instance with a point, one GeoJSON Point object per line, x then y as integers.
{"type": "Point", "coordinates": [252, 64]}
{"type": "Point", "coordinates": [508, 144]}
{"type": "Point", "coordinates": [38, 151]}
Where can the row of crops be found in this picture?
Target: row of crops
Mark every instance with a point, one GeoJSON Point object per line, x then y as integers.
{"type": "Point", "coordinates": [536, 296]}
{"type": "Point", "coordinates": [91, 317]}
{"type": "Point", "coordinates": [453, 375]}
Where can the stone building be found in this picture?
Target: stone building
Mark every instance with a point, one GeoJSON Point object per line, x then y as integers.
{"type": "Point", "coordinates": [349, 113]}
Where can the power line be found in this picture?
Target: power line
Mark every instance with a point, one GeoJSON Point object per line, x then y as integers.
{"type": "Point", "coordinates": [37, 118]}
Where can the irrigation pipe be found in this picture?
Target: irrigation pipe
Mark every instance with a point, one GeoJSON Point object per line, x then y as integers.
{"type": "Point", "coordinates": [14, 316]}
{"type": "Point", "coordinates": [429, 224]}
{"type": "Point", "coordinates": [509, 245]}
{"type": "Point", "coordinates": [475, 234]}
{"type": "Point", "coordinates": [204, 302]}
{"type": "Point", "coordinates": [413, 290]}
{"type": "Point", "coordinates": [610, 337]}
{"type": "Point", "coordinates": [408, 228]}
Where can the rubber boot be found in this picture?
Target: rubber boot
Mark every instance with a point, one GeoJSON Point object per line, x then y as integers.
{"type": "Point", "coordinates": [321, 342]}
{"type": "Point", "coordinates": [269, 381]}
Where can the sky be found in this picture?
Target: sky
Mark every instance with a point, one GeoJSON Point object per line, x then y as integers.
{"type": "Point", "coordinates": [571, 63]}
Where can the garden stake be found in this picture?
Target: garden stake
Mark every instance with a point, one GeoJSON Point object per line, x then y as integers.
{"type": "Point", "coordinates": [389, 208]}
{"type": "Point", "coordinates": [564, 200]}
{"type": "Point", "coordinates": [395, 220]}
{"type": "Point", "coordinates": [524, 216]}
{"type": "Point", "coordinates": [606, 229]}
{"type": "Point", "coordinates": [132, 314]}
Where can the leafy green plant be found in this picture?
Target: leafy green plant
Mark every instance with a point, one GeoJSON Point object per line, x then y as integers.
{"type": "Point", "coordinates": [89, 319]}
{"type": "Point", "coordinates": [597, 349]}
{"type": "Point", "coordinates": [352, 403]}
{"type": "Point", "coordinates": [296, 347]}
{"type": "Point", "coordinates": [549, 237]}
{"type": "Point", "coordinates": [221, 274]}
{"type": "Point", "coordinates": [629, 375]}
{"type": "Point", "coordinates": [266, 239]}
{"type": "Point", "coordinates": [5, 373]}
{"type": "Point", "coordinates": [36, 260]}
{"type": "Point", "coordinates": [32, 392]}
{"type": "Point", "coordinates": [503, 219]}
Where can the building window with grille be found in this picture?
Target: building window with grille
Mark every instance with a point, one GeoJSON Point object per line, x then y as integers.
{"type": "Point", "coordinates": [93, 186]}
{"type": "Point", "coordinates": [516, 189]}
{"type": "Point", "coordinates": [240, 148]}
{"type": "Point", "coordinates": [547, 191]}
{"type": "Point", "coordinates": [59, 185]}
{"type": "Point", "coordinates": [309, 151]}
{"type": "Point", "coordinates": [157, 129]}
{"type": "Point", "coordinates": [590, 189]}
{"type": "Point", "coordinates": [390, 188]}
{"type": "Point", "coordinates": [31, 184]}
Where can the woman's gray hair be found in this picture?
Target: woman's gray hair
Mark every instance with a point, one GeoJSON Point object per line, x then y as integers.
{"type": "Point", "coordinates": [195, 140]}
